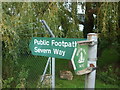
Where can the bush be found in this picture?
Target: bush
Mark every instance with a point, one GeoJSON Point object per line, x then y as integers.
{"type": "Point", "coordinates": [7, 82]}
{"type": "Point", "coordinates": [109, 75]}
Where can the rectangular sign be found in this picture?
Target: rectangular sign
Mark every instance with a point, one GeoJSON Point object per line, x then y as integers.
{"type": "Point", "coordinates": [80, 57]}
{"type": "Point", "coordinates": [53, 47]}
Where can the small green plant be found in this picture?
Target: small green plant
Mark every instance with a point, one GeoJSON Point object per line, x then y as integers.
{"type": "Point", "coordinates": [22, 78]}
{"type": "Point", "coordinates": [109, 76]}
{"type": "Point", "coordinates": [7, 83]}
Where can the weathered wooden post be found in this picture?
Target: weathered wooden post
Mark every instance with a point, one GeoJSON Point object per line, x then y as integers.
{"type": "Point", "coordinates": [92, 58]}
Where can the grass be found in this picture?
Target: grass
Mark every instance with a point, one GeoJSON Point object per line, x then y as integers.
{"type": "Point", "coordinates": [78, 81]}
{"type": "Point", "coordinates": [36, 65]}
{"type": "Point", "coordinates": [100, 84]}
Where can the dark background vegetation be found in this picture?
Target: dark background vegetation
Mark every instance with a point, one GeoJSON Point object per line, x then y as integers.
{"type": "Point", "coordinates": [21, 21]}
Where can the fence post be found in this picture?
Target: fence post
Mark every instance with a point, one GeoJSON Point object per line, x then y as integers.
{"type": "Point", "coordinates": [92, 58]}
{"type": "Point", "coordinates": [53, 59]}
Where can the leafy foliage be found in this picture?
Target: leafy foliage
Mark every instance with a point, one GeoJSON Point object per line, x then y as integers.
{"type": "Point", "coordinates": [68, 18]}
{"type": "Point", "coordinates": [21, 21]}
{"type": "Point", "coordinates": [23, 75]}
{"type": "Point", "coordinates": [107, 23]}
{"type": "Point", "coordinates": [109, 75]}
{"type": "Point", "coordinates": [7, 82]}
{"type": "Point", "coordinates": [10, 39]}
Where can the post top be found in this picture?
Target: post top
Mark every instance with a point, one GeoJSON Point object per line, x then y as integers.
{"type": "Point", "coordinates": [92, 34]}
